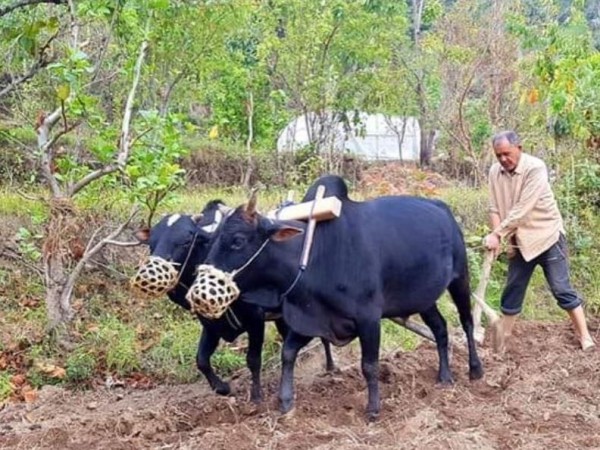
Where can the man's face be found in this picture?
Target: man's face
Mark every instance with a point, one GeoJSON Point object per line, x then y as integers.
{"type": "Point", "coordinates": [508, 154]}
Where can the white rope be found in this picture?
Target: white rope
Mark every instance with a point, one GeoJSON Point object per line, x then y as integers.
{"type": "Point", "coordinates": [237, 271]}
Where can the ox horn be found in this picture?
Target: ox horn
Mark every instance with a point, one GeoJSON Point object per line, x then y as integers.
{"type": "Point", "coordinates": [251, 206]}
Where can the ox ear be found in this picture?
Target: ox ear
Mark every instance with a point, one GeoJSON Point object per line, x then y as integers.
{"type": "Point", "coordinates": [142, 235]}
{"type": "Point", "coordinates": [225, 210]}
{"type": "Point", "coordinates": [285, 232]}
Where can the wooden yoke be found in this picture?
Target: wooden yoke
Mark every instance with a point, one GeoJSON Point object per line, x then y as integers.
{"type": "Point", "coordinates": [320, 209]}
{"type": "Point", "coordinates": [310, 230]}
{"type": "Point", "coordinates": [316, 210]}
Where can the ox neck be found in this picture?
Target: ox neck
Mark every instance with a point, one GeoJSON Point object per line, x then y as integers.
{"type": "Point", "coordinates": [188, 267]}
{"type": "Point", "coordinates": [291, 273]}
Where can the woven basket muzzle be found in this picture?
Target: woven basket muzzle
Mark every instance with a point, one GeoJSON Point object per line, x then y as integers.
{"type": "Point", "coordinates": [155, 278]}
{"type": "Point", "coordinates": [212, 292]}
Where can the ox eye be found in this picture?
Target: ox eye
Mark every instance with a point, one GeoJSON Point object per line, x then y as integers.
{"type": "Point", "coordinates": [238, 242]}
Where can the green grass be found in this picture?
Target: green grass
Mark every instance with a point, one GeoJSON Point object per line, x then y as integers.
{"type": "Point", "coordinates": [194, 201]}
{"type": "Point", "coordinates": [13, 203]}
{"type": "Point", "coordinates": [118, 342]}
{"type": "Point", "coordinates": [470, 206]}
{"type": "Point", "coordinates": [6, 388]}
{"type": "Point", "coordinates": [81, 365]}
{"type": "Point", "coordinates": [174, 355]}
{"type": "Point", "coordinates": [394, 336]}
{"type": "Point", "coordinates": [226, 360]}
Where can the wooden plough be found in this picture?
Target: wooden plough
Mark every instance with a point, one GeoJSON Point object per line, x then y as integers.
{"type": "Point", "coordinates": [479, 296]}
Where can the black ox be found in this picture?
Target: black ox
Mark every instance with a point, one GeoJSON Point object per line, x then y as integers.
{"type": "Point", "coordinates": [388, 257]}
{"type": "Point", "coordinates": [184, 241]}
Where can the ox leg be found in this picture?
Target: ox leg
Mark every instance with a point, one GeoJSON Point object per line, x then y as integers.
{"type": "Point", "coordinates": [282, 328]}
{"type": "Point", "coordinates": [369, 335]}
{"type": "Point", "coordinates": [329, 364]}
{"type": "Point", "coordinates": [256, 337]}
{"type": "Point", "coordinates": [460, 293]}
{"type": "Point", "coordinates": [434, 320]}
{"type": "Point", "coordinates": [206, 347]}
{"type": "Point", "coordinates": [291, 346]}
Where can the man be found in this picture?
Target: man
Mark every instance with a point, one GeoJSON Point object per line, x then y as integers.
{"type": "Point", "coordinates": [523, 212]}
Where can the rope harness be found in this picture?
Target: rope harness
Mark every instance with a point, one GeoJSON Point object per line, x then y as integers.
{"type": "Point", "coordinates": [214, 290]}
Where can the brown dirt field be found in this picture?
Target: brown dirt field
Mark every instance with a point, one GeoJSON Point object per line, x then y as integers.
{"type": "Point", "coordinates": [544, 394]}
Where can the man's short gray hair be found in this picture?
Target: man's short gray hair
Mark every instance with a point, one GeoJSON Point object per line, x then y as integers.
{"type": "Point", "coordinates": [509, 135]}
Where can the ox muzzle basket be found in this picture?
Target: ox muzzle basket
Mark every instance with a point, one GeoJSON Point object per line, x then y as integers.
{"type": "Point", "coordinates": [155, 278]}
{"type": "Point", "coordinates": [212, 292]}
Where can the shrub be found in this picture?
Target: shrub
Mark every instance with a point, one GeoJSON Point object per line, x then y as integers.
{"type": "Point", "coordinates": [6, 387]}
{"type": "Point", "coordinates": [118, 340]}
{"type": "Point", "coordinates": [80, 365]}
{"type": "Point", "coordinates": [174, 357]}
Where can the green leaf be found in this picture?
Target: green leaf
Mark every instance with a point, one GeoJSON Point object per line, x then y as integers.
{"type": "Point", "coordinates": [159, 4]}
{"type": "Point", "coordinates": [63, 91]}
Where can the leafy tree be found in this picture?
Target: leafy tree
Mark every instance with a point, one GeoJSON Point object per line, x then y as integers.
{"type": "Point", "coordinates": [566, 67]}
{"type": "Point", "coordinates": [326, 58]}
{"type": "Point", "coordinates": [85, 140]}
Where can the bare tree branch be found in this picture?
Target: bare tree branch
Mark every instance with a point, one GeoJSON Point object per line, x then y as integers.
{"type": "Point", "coordinates": [250, 168]}
{"type": "Point", "coordinates": [92, 176]}
{"type": "Point", "coordinates": [91, 251]}
{"type": "Point", "coordinates": [164, 107]}
{"type": "Point", "coordinates": [15, 255]}
{"type": "Point", "coordinates": [139, 136]}
{"type": "Point", "coordinates": [74, 25]}
{"type": "Point", "coordinates": [124, 144]}
{"type": "Point", "coordinates": [123, 244]}
{"type": "Point", "coordinates": [24, 3]}
{"type": "Point", "coordinates": [45, 124]}
{"type": "Point", "coordinates": [327, 43]}
{"type": "Point", "coordinates": [41, 62]}
{"type": "Point", "coordinates": [45, 146]}
{"type": "Point", "coordinates": [35, 68]}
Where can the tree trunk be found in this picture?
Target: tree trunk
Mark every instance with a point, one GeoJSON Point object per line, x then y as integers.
{"type": "Point", "coordinates": [427, 135]}
{"type": "Point", "coordinates": [62, 232]}
{"type": "Point", "coordinates": [249, 156]}
{"type": "Point", "coordinates": [428, 139]}
{"type": "Point", "coordinates": [58, 305]}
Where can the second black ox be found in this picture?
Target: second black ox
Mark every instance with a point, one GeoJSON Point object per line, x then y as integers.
{"type": "Point", "coordinates": [182, 241]}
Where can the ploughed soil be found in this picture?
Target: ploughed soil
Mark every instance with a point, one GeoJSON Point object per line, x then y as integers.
{"type": "Point", "coordinates": [543, 394]}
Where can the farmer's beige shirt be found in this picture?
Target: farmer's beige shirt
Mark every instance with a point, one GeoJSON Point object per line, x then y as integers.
{"type": "Point", "coordinates": [526, 205]}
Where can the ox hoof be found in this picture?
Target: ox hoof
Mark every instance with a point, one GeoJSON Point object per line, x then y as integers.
{"type": "Point", "coordinates": [445, 381]}
{"type": "Point", "coordinates": [256, 398]}
{"type": "Point", "coordinates": [286, 407]}
{"type": "Point", "coordinates": [476, 373]}
{"type": "Point", "coordinates": [223, 389]}
{"type": "Point", "coordinates": [372, 416]}
{"type": "Point", "coordinates": [288, 414]}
